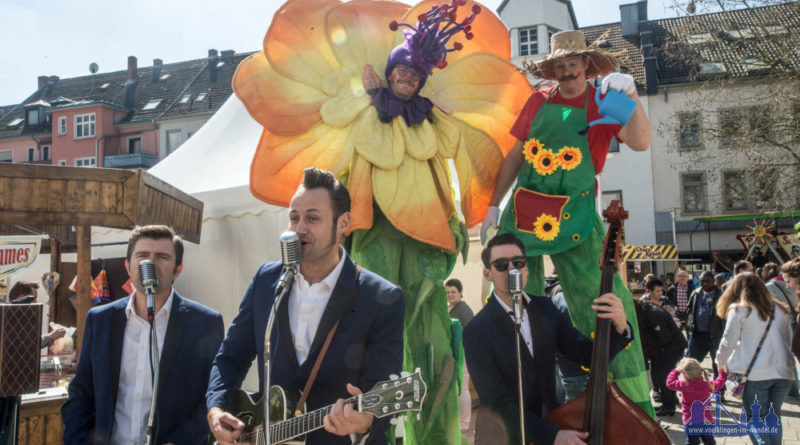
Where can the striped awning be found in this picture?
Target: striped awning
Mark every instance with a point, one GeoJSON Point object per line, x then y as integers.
{"type": "Point", "coordinates": [649, 252]}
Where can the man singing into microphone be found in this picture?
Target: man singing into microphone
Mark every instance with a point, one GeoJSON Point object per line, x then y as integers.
{"type": "Point", "coordinates": [109, 398]}
{"type": "Point", "coordinates": [366, 347]}
{"type": "Point", "coordinates": [491, 357]}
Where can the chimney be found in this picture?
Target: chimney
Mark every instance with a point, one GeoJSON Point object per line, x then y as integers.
{"type": "Point", "coordinates": [130, 84]}
{"type": "Point", "coordinates": [133, 72]}
{"type": "Point", "coordinates": [53, 79]}
{"type": "Point", "coordinates": [227, 56]}
{"type": "Point", "coordinates": [629, 19]}
{"type": "Point", "coordinates": [157, 65]}
{"type": "Point", "coordinates": [42, 81]}
{"type": "Point", "coordinates": [212, 65]}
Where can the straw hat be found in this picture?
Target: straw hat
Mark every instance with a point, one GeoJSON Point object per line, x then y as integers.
{"type": "Point", "coordinates": [572, 43]}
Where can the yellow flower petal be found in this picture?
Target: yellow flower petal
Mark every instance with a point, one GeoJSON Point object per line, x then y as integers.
{"type": "Point", "coordinates": [546, 227]}
{"type": "Point", "coordinates": [419, 140]}
{"type": "Point", "coordinates": [380, 144]}
{"type": "Point", "coordinates": [342, 110]}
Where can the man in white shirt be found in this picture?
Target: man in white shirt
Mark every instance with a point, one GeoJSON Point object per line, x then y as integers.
{"type": "Point", "coordinates": [366, 347]}
{"type": "Point", "coordinates": [490, 349]}
{"type": "Point", "coordinates": [110, 396]}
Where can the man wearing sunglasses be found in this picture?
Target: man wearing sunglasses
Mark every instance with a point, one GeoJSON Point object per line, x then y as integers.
{"type": "Point", "coordinates": [491, 358]}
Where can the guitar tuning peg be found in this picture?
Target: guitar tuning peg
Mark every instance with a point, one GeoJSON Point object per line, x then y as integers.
{"type": "Point", "coordinates": [417, 369]}
{"type": "Point", "coordinates": [393, 377]}
{"type": "Point", "coordinates": [404, 374]}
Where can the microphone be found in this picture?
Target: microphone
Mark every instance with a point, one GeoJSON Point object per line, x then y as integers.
{"type": "Point", "coordinates": [149, 279]}
{"type": "Point", "coordinates": [514, 284]}
{"type": "Point", "coordinates": [291, 254]}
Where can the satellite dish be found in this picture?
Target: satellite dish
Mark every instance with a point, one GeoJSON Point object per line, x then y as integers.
{"type": "Point", "coordinates": [93, 67]}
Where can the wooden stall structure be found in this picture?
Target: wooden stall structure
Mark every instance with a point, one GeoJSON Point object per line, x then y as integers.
{"type": "Point", "coordinates": [48, 199]}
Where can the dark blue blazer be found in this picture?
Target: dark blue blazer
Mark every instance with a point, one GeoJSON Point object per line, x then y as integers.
{"type": "Point", "coordinates": [491, 359]}
{"type": "Point", "coordinates": [194, 333]}
{"type": "Point", "coordinates": [366, 348]}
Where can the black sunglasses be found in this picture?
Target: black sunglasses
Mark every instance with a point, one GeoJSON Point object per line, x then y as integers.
{"type": "Point", "coordinates": [501, 264]}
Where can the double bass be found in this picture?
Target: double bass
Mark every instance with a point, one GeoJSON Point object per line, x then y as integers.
{"type": "Point", "coordinates": [603, 411]}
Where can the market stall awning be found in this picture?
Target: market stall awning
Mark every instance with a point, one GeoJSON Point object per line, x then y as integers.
{"type": "Point", "coordinates": [750, 216]}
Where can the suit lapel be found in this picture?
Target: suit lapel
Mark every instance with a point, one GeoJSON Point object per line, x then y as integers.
{"type": "Point", "coordinates": [286, 331]}
{"type": "Point", "coordinates": [505, 324]}
{"type": "Point", "coordinates": [343, 294]}
{"type": "Point", "coordinates": [116, 336]}
{"type": "Point", "coordinates": [176, 325]}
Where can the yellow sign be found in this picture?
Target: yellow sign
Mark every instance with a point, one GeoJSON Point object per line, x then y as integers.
{"type": "Point", "coordinates": [650, 252]}
{"type": "Point", "coordinates": [17, 252]}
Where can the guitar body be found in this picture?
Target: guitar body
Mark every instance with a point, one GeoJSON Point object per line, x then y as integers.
{"type": "Point", "coordinates": [618, 406]}
{"type": "Point", "coordinates": [248, 407]}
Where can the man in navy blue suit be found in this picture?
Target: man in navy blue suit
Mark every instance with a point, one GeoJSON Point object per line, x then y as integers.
{"type": "Point", "coordinates": [109, 398]}
{"type": "Point", "coordinates": [366, 347]}
{"type": "Point", "coordinates": [491, 358]}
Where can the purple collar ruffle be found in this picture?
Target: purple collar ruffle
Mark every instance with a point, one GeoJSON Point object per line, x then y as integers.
{"type": "Point", "coordinates": [389, 106]}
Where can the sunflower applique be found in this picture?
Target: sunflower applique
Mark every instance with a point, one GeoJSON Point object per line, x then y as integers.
{"type": "Point", "coordinates": [546, 227]}
{"type": "Point", "coordinates": [569, 157]}
{"type": "Point", "coordinates": [545, 162]}
{"type": "Point", "coordinates": [531, 149]}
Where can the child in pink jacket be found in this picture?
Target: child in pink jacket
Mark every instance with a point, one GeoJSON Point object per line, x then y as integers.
{"type": "Point", "coordinates": [694, 385]}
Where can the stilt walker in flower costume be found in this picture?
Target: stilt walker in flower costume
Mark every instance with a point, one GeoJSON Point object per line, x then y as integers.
{"type": "Point", "coordinates": [554, 161]}
{"type": "Point", "coordinates": [315, 91]}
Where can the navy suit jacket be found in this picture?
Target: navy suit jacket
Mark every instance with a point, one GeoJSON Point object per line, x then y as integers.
{"type": "Point", "coordinates": [491, 359]}
{"type": "Point", "coordinates": [366, 348]}
{"type": "Point", "coordinates": [194, 333]}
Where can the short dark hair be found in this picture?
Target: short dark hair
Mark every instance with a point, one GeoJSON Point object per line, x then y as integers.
{"type": "Point", "coordinates": [340, 198]}
{"type": "Point", "coordinates": [21, 289]}
{"type": "Point", "coordinates": [156, 232]}
{"type": "Point", "coordinates": [653, 283]}
{"type": "Point", "coordinates": [791, 268]}
{"type": "Point", "coordinates": [740, 266]}
{"type": "Point", "coordinates": [771, 270]}
{"type": "Point", "coordinates": [707, 274]}
{"type": "Point", "coordinates": [456, 283]}
{"type": "Point", "coordinates": [500, 240]}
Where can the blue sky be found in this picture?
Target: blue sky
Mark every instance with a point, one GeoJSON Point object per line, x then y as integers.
{"type": "Point", "coordinates": [62, 38]}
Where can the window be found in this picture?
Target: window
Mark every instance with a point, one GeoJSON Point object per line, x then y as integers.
{"type": "Point", "coordinates": [31, 154]}
{"type": "Point", "coordinates": [764, 190]}
{"type": "Point", "coordinates": [135, 145]}
{"type": "Point", "coordinates": [45, 152]}
{"type": "Point", "coordinates": [693, 188]}
{"type": "Point", "coordinates": [84, 125]}
{"type": "Point", "coordinates": [5, 156]}
{"type": "Point", "coordinates": [173, 140]}
{"type": "Point", "coordinates": [689, 129]}
{"type": "Point", "coordinates": [759, 122]}
{"type": "Point", "coordinates": [62, 125]}
{"type": "Point", "coordinates": [528, 42]}
{"type": "Point", "coordinates": [33, 116]}
{"type": "Point", "coordinates": [609, 196]}
{"type": "Point", "coordinates": [16, 122]}
{"type": "Point", "coordinates": [152, 104]}
{"type": "Point", "coordinates": [62, 162]}
{"type": "Point", "coordinates": [729, 122]}
{"type": "Point", "coordinates": [200, 97]}
{"type": "Point", "coordinates": [85, 162]}
{"type": "Point", "coordinates": [734, 191]}
{"type": "Point", "coordinates": [185, 98]}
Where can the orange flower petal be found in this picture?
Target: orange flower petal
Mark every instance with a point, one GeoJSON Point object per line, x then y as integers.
{"type": "Point", "coordinates": [296, 45]}
{"type": "Point", "coordinates": [359, 184]}
{"type": "Point", "coordinates": [358, 32]}
{"type": "Point", "coordinates": [281, 105]}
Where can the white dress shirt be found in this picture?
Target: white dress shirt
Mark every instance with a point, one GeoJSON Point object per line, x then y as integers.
{"type": "Point", "coordinates": [743, 331]}
{"type": "Point", "coordinates": [132, 410]}
{"type": "Point", "coordinates": [307, 302]}
{"type": "Point", "coordinates": [525, 327]}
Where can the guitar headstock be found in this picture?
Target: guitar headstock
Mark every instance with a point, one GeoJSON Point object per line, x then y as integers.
{"type": "Point", "coordinates": [614, 215]}
{"type": "Point", "coordinates": [394, 396]}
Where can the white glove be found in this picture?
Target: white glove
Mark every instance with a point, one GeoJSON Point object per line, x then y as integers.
{"type": "Point", "coordinates": [492, 216]}
{"type": "Point", "coordinates": [619, 82]}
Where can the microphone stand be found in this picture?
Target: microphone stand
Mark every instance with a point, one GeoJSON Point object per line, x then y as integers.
{"type": "Point", "coordinates": [283, 288]}
{"type": "Point", "coordinates": [518, 323]}
{"type": "Point", "coordinates": [154, 362]}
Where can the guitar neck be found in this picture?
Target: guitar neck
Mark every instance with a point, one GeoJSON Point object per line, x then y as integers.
{"type": "Point", "coordinates": [298, 426]}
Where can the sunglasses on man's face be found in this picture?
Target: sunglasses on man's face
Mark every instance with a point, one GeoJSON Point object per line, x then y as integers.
{"type": "Point", "coordinates": [501, 264]}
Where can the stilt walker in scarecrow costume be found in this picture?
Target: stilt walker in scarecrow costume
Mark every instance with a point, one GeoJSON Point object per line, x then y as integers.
{"type": "Point", "coordinates": [316, 91]}
{"type": "Point", "coordinates": [555, 160]}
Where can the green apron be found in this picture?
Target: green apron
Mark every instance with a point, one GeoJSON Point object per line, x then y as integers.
{"type": "Point", "coordinates": [553, 205]}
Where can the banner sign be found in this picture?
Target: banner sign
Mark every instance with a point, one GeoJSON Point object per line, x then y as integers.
{"type": "Point", "coordinates": [650, 252]}
{"type": "Point", "coordinates": [18, 252]}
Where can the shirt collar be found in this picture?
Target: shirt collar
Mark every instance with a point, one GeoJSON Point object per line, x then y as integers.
{"type": "Point", "coordinates": [331, 279]}
{"type": "Point", "coordinates": [131, 312]}
{"type": "Point", "coordinates": [505, 307]}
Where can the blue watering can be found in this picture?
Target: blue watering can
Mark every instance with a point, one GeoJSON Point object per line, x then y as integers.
{"type": "Point", "coordinates": [616, 108]}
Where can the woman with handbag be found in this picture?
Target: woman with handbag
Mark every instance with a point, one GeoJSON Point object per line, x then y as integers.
{"type": "Point", "coordinates": [790, 272]}
{"type": "Point", "coordinates": [755, 347]}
